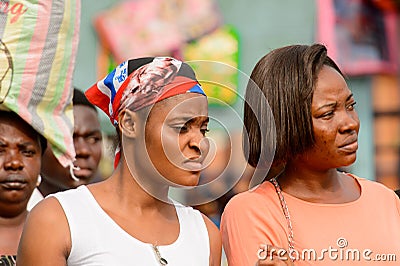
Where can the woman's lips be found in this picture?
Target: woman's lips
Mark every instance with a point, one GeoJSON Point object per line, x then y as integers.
{"type": "Point", "coordinates": [350, 148]}
{"type": "Point", "coordinates": [193, 165]}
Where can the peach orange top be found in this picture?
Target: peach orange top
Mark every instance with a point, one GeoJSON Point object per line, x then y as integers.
{"type": "Point", "coordinates": [363, 232]}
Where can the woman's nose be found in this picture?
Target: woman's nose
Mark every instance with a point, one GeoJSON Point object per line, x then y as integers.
{"type": "Point", "coordinates": [350, 122]}
{"type": "Point", "coordinates": [199, 142]}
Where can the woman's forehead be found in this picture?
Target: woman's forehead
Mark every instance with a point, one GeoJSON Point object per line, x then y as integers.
{"type": "Point", "coordinates": [182, 101]}
{"type": "Point", "coordinates": [188, 105]}
{"type": "Point", "coordinates": [20, 129]}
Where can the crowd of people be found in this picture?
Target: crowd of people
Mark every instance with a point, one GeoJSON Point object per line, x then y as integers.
{"type": "Point", "coordinates": [301, 126]}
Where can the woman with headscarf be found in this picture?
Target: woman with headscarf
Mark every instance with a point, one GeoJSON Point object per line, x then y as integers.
{"type": "Point", "coordinates": [161, 116]}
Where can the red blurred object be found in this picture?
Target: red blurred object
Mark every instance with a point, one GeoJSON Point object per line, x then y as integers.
{"type": "Point", "coordinates": [361, 37]}
{"type": "Point", "coordinates": [387, 5]}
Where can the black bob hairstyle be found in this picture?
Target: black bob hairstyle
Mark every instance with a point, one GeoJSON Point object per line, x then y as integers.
{"type": "Point", "coordinates": [286, 78]}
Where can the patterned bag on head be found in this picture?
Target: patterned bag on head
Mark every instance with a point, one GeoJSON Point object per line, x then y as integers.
{"type": "Point", "coordinates": [38, 45]}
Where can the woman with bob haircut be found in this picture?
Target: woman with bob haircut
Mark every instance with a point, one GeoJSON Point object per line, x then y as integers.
{"type": "Point", "coordinates": [306, 212]}
{"type": "Point", "coordinates": [161, 115]}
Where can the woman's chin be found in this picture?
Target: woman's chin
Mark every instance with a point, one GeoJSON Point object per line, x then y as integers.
{"type": "Point", "coordinates": [350, 160]}
{"type": "Point", "coordinates": [186, 180]}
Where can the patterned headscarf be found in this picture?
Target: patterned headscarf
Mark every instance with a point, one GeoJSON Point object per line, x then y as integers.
{"type": "Point", "coordinates": [141, 82]}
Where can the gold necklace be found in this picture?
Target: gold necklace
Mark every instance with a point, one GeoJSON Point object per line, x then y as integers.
{"type": "Point", "coordinates": [160, 259]}
{"type": "Point", "coordinates": [285, 210]}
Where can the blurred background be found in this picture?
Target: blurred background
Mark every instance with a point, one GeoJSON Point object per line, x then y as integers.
{"type": "Point", "coordinates": [361, 35]}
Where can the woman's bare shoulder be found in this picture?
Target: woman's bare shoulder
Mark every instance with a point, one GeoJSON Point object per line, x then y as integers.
{"type": "Point", "coordinates": [46, 236]}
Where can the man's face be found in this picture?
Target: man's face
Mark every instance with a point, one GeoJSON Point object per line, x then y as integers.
{"type": "Point", "coordinates": [88, 148]}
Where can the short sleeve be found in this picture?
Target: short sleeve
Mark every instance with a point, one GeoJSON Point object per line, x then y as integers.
{"type": "Point", "coordinates": [249, 220]}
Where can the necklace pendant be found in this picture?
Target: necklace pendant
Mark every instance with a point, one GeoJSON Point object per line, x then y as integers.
{"type": "Point", "coordinates": [163, 261]}
{"type": "Point", "coordinates": [160, 259]}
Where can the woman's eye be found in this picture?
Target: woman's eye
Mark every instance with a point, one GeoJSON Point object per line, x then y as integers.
{"type": "Point", "coordinates": [204, 131]}
{"type": "Point", "coordinates": [352, 106]}
{"type": "Point", "coordinates": [327, 115]}
{"type": "Point", "coordinates": [180, 129]}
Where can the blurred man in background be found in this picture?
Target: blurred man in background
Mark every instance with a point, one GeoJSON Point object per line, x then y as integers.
{"type": "Point", "coordinates": [88, 148]}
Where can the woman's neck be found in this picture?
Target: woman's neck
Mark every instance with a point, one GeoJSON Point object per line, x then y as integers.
{"type": "Point", "coordinates": [312, 180]}
{"type": "Point", "coordinates": [130, 191]}
{"type": "Point", "coordinates": [10, 232]}
{"type": "Point", "coordinates": [13, 218]}
{"type": "Point", "coordinates": [328, 186]}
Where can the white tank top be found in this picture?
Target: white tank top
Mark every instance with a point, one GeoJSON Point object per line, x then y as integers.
{"type": "Point", "coordinates": [98, 240]}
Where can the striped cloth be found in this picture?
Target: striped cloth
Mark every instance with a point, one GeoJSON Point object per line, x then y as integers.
{"type": "Point", "coordinates": [39, 41]}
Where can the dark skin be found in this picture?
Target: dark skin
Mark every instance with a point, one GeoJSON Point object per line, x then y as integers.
{"type": "Point", "coordinates": [88, 148]}
{"type": "Point", "coordinates": [312, 175]}
{"type": "Point", "coordinates": [20, 159]}
{"type": "Point", "coordinates": [136, 206]}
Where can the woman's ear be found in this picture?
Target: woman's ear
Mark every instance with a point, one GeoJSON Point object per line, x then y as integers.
{"type": "Point", "coordinates": [128, 123]}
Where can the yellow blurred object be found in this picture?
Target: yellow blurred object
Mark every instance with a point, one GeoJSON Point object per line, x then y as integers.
{"type": "Point", "coordinates": [215, 59]}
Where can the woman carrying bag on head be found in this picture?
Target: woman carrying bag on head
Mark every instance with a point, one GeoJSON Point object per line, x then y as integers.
{"type": "Point", "coordinates": [21, 149]}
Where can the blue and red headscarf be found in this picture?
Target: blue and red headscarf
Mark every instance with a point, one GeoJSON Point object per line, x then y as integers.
{"type": "Point", "coordinates": [141, 82]}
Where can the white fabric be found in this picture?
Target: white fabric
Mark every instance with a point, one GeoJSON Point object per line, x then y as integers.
{"type": "Point", "coordinates": [34, 199]}
{"type": "Point", "coordinates": [98, 240]}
